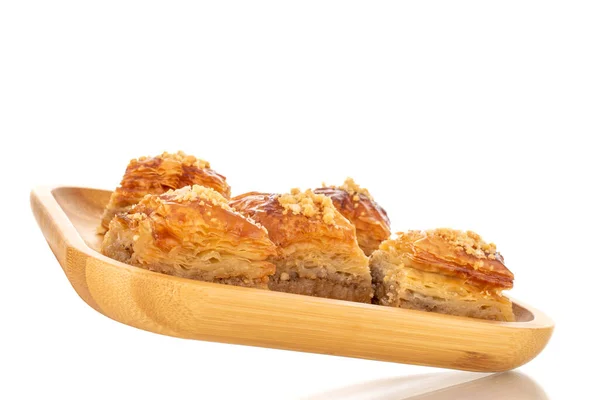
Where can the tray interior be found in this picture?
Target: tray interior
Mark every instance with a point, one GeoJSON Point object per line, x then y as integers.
{"type": "Point", "coordinates": [84, 209]}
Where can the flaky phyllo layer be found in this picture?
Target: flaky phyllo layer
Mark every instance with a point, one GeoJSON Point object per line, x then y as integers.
{"type": "Point", "coordinates": [445, 271]}
{"type": "Point", "coordinates": [193, 233]}
{"type": "Point", "coordinates": [317, 250]}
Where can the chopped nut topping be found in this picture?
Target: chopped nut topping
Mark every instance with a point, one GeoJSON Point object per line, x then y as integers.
{"type": "Point", "coordinates": [308, 204]}
{"type": "Point", "coordinates": [137, 216]}
{"type": "Point", "coordinates": [200, 194]}
{"type": "Point", "coordinates": [185, 159]}
{"type": "Point", "coordinates": [353, 189]}
{"type": "Point", "coordinates": [469, 241]}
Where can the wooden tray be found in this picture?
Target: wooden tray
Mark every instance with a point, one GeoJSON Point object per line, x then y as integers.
{"type": "Point", "coordinates": [68, 217]}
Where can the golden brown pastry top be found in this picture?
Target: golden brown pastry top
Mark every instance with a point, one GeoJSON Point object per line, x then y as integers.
{"type": "Point", "coordinates": [295, 217]}
{"type": "Point", "coordinates": [156, 175]}
{"type": "Point", "coordinates": [357, 204]}
{"type": "Point", "coordinates": [452, 253]}
{"type": "Point", "coordinates": [196, 207]}
{"type": "Point", "coordinates": [188, 226]}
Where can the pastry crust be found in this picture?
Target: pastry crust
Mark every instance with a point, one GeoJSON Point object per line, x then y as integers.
{"type": "Point", "coordinates": [442, 270]}
{"type": "Point", "coordinates": [156, 175]}
{"type": "Point", "coordinates": [317, 251]}
{"type": "Point", "coordinates": [356, 204]}
{"type": "Point", "coordinates": [193, 233]}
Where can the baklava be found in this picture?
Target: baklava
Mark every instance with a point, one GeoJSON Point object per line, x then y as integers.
{"type": "Point", "coordinates": [156, 175]}
{"type": "Point", "coordinates": [317, 250]}
{"type": "Point", "coordinates": [445, 271]}
{"type": "Point", "coordinates": [193, 233]}
{"type": "Point", "coordinates": [358, 206]}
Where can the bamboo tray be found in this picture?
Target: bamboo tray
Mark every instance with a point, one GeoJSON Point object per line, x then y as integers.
{"type": "Point", "coordinates": [68, 217]}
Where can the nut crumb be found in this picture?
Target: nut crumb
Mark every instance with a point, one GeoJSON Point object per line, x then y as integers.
{"type": "Point", "coordinates": [308, 204]}
{"type": "Point", "coordinates": [353, 189]}
{"type": "Point", "coordinates": [199, 194]}
{"type": "Point", "coordinates": [468, 241]}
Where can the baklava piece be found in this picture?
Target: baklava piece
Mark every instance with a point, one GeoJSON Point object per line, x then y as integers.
{"type": "Point", "coordinates": [445, 271]}
{"type": "Point", "coordinates": [317, 251]}
{"type": "Point", "coordinates": [193, 233]}
{"type": "Point", "coordinates": [356, 203]}
{"type": "Point", "coordinates": [156, 175]}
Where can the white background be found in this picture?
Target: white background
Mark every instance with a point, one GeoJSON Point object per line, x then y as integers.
{"type": "Point", "coordinates": [464, 114]}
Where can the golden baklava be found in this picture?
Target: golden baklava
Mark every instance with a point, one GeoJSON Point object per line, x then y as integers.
{"type": "Point", "coordinates": [358, 206]}
{"type": "Point", "coordinates": [445, 271]}
{"type": "Point", "coordinates": [193, 233]}
{"type": "Point", "coordinates": [317, 250]}
{"type": "Point", "coordinates": [156, 175]}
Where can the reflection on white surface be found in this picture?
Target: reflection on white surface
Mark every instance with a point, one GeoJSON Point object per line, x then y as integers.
{"type": "Point", "coordinates": [443, 386]}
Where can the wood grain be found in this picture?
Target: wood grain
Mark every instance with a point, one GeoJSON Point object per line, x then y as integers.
{"type": "Point", "coordinates": [184, 308]}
